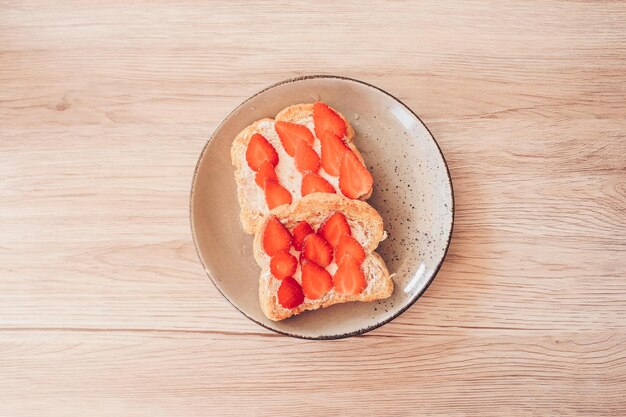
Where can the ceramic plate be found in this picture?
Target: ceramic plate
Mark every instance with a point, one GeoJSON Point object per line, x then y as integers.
{"type": "Point", "coordinates": [412, 192]}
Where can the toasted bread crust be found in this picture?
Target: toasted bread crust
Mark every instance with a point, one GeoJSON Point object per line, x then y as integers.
{"type": "Point", "coordinates": [251, 218]}
{"type": "Point", "coordinates": [315, 208]}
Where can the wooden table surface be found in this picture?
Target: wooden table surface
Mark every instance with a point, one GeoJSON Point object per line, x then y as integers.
{"type": "Point", "coordinates": [105, 309]}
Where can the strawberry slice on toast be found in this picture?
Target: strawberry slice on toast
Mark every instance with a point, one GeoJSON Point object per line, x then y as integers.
{"type": "Point", "coordinates": [291, 134]}
{"type": "Point", "coordinates": [313, 183]}
{"type": "Point", "coordinates": [299, 232]}
{"type": "Point", "coordinates": [260, 150]}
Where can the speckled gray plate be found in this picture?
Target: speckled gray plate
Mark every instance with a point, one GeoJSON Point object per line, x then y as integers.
{"type": "Point", "coordinates": [412, 191]}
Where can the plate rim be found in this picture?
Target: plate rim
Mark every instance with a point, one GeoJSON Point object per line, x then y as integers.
{"type": "Point", "coordinates": [365, 329]}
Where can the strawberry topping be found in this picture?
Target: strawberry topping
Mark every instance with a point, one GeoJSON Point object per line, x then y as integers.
{"type": "Point", "coordinates": [290, 293]}
{"type": "Point", "coordinates": [333, 150]}
{"type": "Point", "coordinates": [349, 278]}
{"type": "Point", "coordinates": [349, 245]}
{"type": "Point", "coordinates": [313, 183]}
{"type": "Point", "coordinates": [354, 179]}
{"type": "Point", "coordinates": [334, 228]}
{"type": "Point", "coordinates": [307, 160]}
{"type": "Point", "coordinates": [266, 172]}
{"type": "Point", "coordinates": [327, 121]}
{"type": "Point", "coordinates": [316, 281]}
{"type": "Point", "coordinates": [275, 194]}
{"type": "Point", "coordinates": [259, 150]}
{"type": "Point", "coordinates": [317, 249]}
{"type": "Point", "coordinates": [276, 237]}
{"type": "Point", "coordinates": [283, 265]}
{"type": "Point", "coordinates": [299, 232]}
{"type": "Point", "coordinates": [291, 134]}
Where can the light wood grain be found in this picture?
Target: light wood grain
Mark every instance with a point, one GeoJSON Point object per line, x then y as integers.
{"type": "Point", "coordinates": [105, 309]}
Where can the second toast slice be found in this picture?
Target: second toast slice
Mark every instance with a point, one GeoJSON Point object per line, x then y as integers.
{"type": "Point", "coordinates": [360, 274]}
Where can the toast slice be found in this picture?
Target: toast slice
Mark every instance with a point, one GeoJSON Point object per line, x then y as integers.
{"type": "Point", "coordinates": [250, 193]}
{"type": "Point", "coordinates": [366, 227]}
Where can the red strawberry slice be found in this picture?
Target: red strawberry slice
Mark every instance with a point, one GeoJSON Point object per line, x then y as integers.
{"type": "Point", "coordinates": [299, 232]}
{"type": "Point", "coordinates": [283, 265]}
{"type": "Point", "coordinates": [307, 160]}
{"type": "Point", "coordinates": [349, 245]}
{"type": "Point", "coordinates": [290, 293]}
{"type": "Point", "coordinates": [291, 134]}
{"type": "Point", "coordinates": [316, 249]}
{"type": "Point", "coordinates": [275, 194]}
{"type": "Point", "coordinates": [316, 281]}
{"type": "Point", "coordinates": [354, 179]}
{"type": "Point", "coordinates": [333, 149]}
{"type": "Point", "coordinates": [259, 150]}
{"type": "Point", "coordinates": [276, 237]}
{"type": "Point", "coordinates": [266, 172]}
{"type": "Point", "coordinates": [326, 120]}
{"type": "Point", "coordinates": [313, 183]}
{"type": "Point", "coordinates": [334, 228]}
{"type": "Point", "coordinates": [349, 278]}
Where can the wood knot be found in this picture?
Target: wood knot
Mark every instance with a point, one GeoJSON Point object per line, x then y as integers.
{"type": "Point", "coordinates": [63, 105]}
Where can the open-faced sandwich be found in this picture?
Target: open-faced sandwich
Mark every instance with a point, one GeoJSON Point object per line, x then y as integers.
{"type": "Point", "coordinates": [300, 181]}
{"type": "Point", "coordinates": [317, 252]}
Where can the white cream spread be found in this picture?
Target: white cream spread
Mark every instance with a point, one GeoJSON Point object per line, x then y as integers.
{"type": "Point", "coordinates": [288, 176]}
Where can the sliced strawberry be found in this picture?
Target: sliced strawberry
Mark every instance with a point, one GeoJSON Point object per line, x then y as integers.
{"type": "Point", "coordinates": [290, 293]}
{"type": "Point", "coordinates": [333, 149]}
{"type": "Point", "coordinates": [349, 245]}
{"type": "Point", "coordinates": [283, 265]}
{"type": "Point", "coordinates": [354, 179]}
{"type": "Point", "coordinates": [316, 249]}
{"type": "Point", "coordinates": [299, 232]}
{"type": "Point", "coordinates": [259, 150]}
{"type": "Point", "coordinates": [266, 172]}
{"type": "Point", "coordinates": [349, 278]}
{"type": "Point", "coordinates": [307, 160]}
{"type": "Point", "coordinates": [326, 120]}
{"type": "Point", "coordinates": [276, 237]}
{"type": "Point", "coordinates": [334, 228]}
{"type": "Point", "coordinates": [291, 134]}
{"type": "Point", "coordinates": [276, 195]}
{"type": "Point", "coordinates": [316, 281]}
{"type": "Point", "coordinates": [313, 183]}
